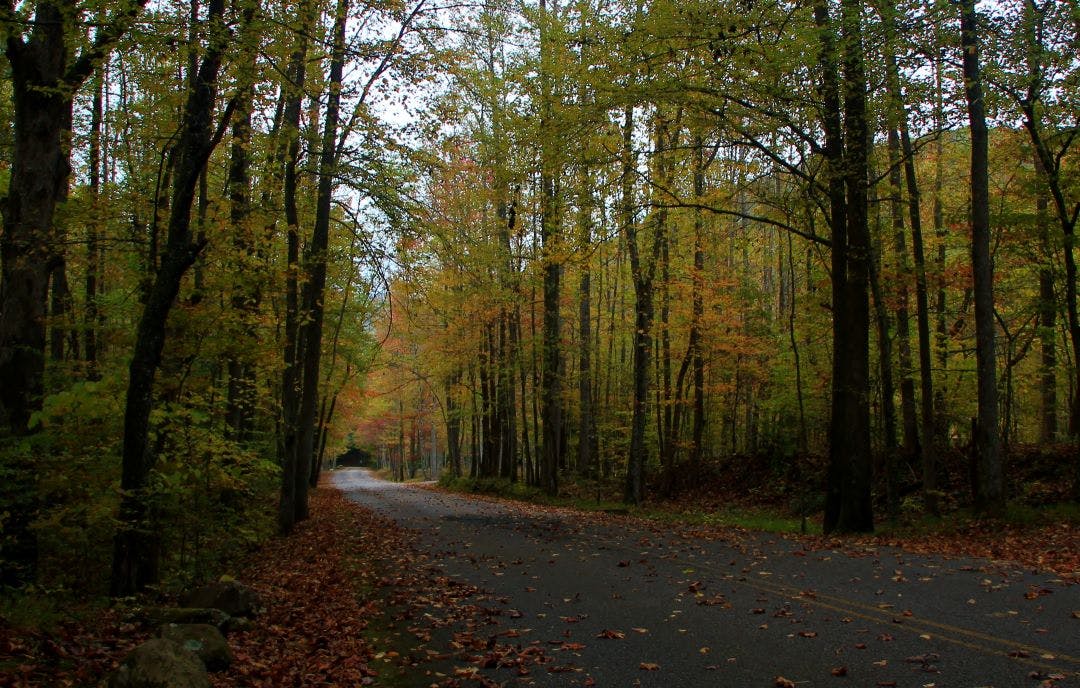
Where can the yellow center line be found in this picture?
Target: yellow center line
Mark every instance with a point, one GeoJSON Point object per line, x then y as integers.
{"type": "Point", "coordinates": [937, 631]}
{"type": "Point", "coordinates": [966, 638]}
{"type": "Point", "coordinates": [1042, 658]}
{"type": "Point", "coordinates": [791, 591]}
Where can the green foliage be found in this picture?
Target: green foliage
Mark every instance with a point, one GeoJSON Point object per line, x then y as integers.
{"type": "Point", "coordinates": [211, 498]}
{"type": "Point", "coordinates": [75, 465]}
{"type": "Point", "coordinates": [490, 486]}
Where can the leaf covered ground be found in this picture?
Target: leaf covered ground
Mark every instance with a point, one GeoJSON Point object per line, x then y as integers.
{"type": "Point", "coordinates": [349, 602]}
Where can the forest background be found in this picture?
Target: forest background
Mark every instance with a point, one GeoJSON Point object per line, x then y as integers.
{"type": "Point", "coordinates": [818, 253]}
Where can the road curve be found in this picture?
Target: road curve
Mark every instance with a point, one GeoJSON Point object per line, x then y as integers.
{"type": "Point", "coordinates": [687, 611]}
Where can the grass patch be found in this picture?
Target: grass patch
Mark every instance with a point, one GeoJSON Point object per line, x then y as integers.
{"type": "Point", "coordinates": [764, 520]}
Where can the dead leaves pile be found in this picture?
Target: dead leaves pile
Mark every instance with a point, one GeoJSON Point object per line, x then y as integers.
{"type": "Point", "coordinates": [352, 602]}
{"type": "Point", "coordinates": [1054, 548]}
{"type": "Point", "coordinates": [313, 631]}
{"type": "Point", "coordinates": [76, 653]}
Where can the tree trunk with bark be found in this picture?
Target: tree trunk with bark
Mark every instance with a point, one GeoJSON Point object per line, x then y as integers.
{"type": "Point", "coordinates": [136, 545]}
{"type": "Point", "coordinates": [550, 250]}
{"type": "Point", "coordinates": [293, 91]}
{"type": "Point", "coordinates": [988, 484]}
{"type": "Point", "coordinates": [848, 505]}
{"type": "Point", "coordinates": [312, 294]}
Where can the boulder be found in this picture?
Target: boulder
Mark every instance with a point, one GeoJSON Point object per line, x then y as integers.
{"type": "Point", "coordinates": [159, 616]}
{"type": "Point", "coordinates": [203, 640]}
{"type": "Point", "coordinates": [160, 663]}
{"type": "Point", "coordinates": [237, 624]}
{"type": "Point", "coordinates": [229, 596]}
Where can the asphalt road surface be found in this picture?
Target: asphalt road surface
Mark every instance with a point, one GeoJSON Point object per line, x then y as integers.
{"type": "Point", "coordinates": [680, 610]}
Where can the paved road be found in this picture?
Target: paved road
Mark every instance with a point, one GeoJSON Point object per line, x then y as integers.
{"type": "Point", "coordinates": [739, 612]}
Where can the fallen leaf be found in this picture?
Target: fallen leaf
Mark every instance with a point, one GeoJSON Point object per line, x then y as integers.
{"type": "Point", "coordinates": [839, 671]}
{"type": "Point", "coordinates": [649, 666]}
{"type": "Point", "coordinates": [611, 635]}
{"type": "Point", "coordinates": [782, 682]}
{"type": "Point", "coordinates": [562, 669]}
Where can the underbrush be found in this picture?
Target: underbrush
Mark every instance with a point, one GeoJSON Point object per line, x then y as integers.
{"type": "Point", "coordinates": [210, 499]}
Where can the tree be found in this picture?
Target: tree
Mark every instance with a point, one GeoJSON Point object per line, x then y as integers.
{"type": "Point", "coordinates": [312, 296]}
{"type": "Point", "coordinates": [551, 249]}
{"type": "Point", "coordinates": [988, 484]}
{"type": "Point", "coordinates": [45, 77]}
{"type": "Point", "coordinates": [136, 546]}
{"type": "Point", "coordinates": [292, 92]}
{"type": "Point", "coordinates": [848, 505]}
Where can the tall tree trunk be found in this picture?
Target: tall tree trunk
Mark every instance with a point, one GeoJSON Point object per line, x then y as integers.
{"type": "Point", "coordinates": [93, 250]}
{"type": "Point", "coordinates": [587, 440]}
{"type": "Point", "coordinates": [508, 338]}
{"type": "Point", "coordinates": [643, 271]}
{"type": "Point", "coordinates": [666, 409]}
{"type": "Point", "coordinates": [848, 497]}
{"type": "Point", "coordinates": [634, 492]}
{"type": "Point", "coordinates": [888, 392]}
{"type": "Point", "coordinates": [989, 483]}
{"type": "Point", "coordinates": [697, 308]}
{"type": "Point", "coordinates": [1048, 426]}
{"type": "Point", "coordinates": [293, 90]}
{"type": "Point", "coordinates": [899, 117]}
{"type": "Point", "coordinates": [928, 451]}
{"type": "Point", "coordinates": [941, 330]}
{"type": "Point", "coordinates": [903, 325]}
{"type": "Point", "coordinates": [1049, 165]}
{"type": "Point", "coordinates": [802, 441]}
{"type": "Point", "coordinates": [136, 545]}
{"type": "Point", "coordinates": [39, 174]}
{"type": "Point", "coordinates": [523, 374]}
{"type": "Point", "coordinates": [551, 261]}
{"type": "Point", "coordinates": [453, 427]}
{"type": "Point", "coordinates": [60, 312]}
{"type": "Point", "coordinates": [312, 294]}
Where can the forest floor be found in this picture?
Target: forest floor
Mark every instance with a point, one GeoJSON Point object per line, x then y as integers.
{"type": "Point", "coordinates": [353, 600]}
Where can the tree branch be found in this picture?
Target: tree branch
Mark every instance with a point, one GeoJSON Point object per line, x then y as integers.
{"type": "Point", "coordinates": [12, 40]}
{"type": "Point", "coordinates": [107, 36]}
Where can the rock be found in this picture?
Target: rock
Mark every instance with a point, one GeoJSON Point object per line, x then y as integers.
{"type": "Point", "coordinates": [160, 663]}
{"type": "Point", "coordinates": [237, 624]}
{"type": "Point", "coordinates": [229, 596]}
{"type": "Point", "coordinates": [159, 616]}
{"type": "Point", "coordinates": [203, 640]}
